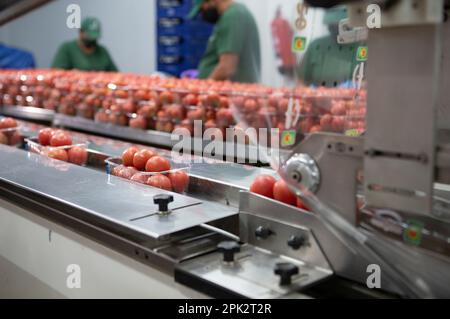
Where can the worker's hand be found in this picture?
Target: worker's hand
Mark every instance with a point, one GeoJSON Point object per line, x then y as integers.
{"type": "Point", "coordinates": [189, 74]}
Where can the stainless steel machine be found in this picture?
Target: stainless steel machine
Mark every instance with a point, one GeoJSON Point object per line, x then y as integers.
{"type": "Point", "coordinates": [379, 221]}
{"type": "Point", "coordinates": [396, 165]}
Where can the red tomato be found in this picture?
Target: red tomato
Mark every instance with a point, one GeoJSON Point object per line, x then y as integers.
{"type": "Point", "coordinates": [59, 154]}
{"type": "Point", "coordinates": [140, 158]}
{"type": "Point", "coordinates": [157, 164]}
{"type": "Point", "coordinates": [250, 105]}
{"type": "Point", "coordinates": [7, 122]}
{"type": "Point", "coordinates": [179, 180]}
{"type": "Point", "coordinates": [166, 97]}
{"type": "Point", "coordinates": [190, 100]}
{"type": "Point", "coordinates": [316, 129]}
{"type": "Point", "coordinates": [127, 172]}
{"type": "Point", "coordinates": [117, 170]}
{"type": "Point", "coordinates": [138, 122]}
{"type": "Point", "coordinates": [128, 155]}
{"type": "Point", "coordinates": [301, 204]}
{"type": "Point", "coordinates": [45, 135]}
{"type": "Point", "coordinates": [77, 155]}
{"type": "Point", "coordinates": [282, 193]}
{"type": "Point", "coordinates": [139, 178]}
{"type": "Point", "coordinates": [3, 139]}
{"type": "Point", "coordinates": [263, 185]}
{"type": "Point", "coordinates": [160, 181]}
{"type": "Point", "coordinates": [60, 139]}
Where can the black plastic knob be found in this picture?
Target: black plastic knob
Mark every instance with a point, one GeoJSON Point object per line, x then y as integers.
{"type": "Point", "coordinates": [263, 232]}
{"type": "Point", "coordinates": [285, 271]}
{"type": "Point", "coordinates": [296, 242]}
{"type": "Point", "coordinates": [163, 200]}
{"type": "Point", "coordinates": [229, 248]}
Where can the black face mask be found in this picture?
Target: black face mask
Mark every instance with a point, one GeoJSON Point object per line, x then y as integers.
{"type": "Point", "coordinates": [89, 43]}
{"type": "Point", "coordinates": [211, 15]}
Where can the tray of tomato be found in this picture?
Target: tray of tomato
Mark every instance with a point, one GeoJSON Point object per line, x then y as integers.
{"type": "Point", "coordinates": [59, 145]}
{"type": "Point", "coordinates": [147, 167]}
{"type": "Point", "coordinates": [10, 132]}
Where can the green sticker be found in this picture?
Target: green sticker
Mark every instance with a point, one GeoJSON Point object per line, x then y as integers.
{"type": "Point", "coordinates": [413, 233]}
{"type": "Point", "coordinates": [288, 138]}
{"type": "Point", "coordinates": [352, 132]}
{"type": "Point", "coordinates": [298, 44]}
{"type": "Point", "coordinates": [362, 53]}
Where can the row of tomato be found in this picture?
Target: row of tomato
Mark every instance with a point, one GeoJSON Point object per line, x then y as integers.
{"type": "Point", "coordinates": [149, 102]}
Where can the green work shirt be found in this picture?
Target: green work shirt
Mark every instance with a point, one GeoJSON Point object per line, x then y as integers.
{"type": "Point", "coordinates": [71, 56]}
{"type": "Point", "coordinates": [328, 63]}
{"type": "Point", "coordinates": [235, 32]}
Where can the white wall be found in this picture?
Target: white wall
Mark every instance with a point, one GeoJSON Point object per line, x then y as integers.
{"type": "Point", "coordinates": [264, 13]}
{"type": "Point", "coordinates": [129, 31]}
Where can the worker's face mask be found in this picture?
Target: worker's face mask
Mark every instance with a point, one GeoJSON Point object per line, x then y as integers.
{"type": "Point", "coordinates": [90, 43]}
{"type": "Point", "coordinates": [211, 15]}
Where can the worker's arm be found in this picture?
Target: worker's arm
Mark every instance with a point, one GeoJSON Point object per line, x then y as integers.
{"type": "Point", "coordinates": [62, 59]}
{"type": "Point", "coordinates": [231, 39]}
{"type": "Point", "coordinates": [226, 68]}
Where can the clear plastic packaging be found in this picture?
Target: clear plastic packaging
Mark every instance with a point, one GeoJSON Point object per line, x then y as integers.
{"type": "Point", "coordinates": [76, 153]}
{"type": "Point", "coordinates": [11, 136]}
{"type": "Point", "coordinates": [176, 179]}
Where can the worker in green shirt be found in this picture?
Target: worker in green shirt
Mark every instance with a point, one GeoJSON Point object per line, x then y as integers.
{"type": "Point", "coordinates": [233, 50]}
{"type": "Point", "coordinates": [326, 62]}
{"type": "Point", "coordinates": [85, 53]}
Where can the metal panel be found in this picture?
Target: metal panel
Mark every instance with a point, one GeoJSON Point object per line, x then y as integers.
{"type": "Point", "coordinates": [28, 112]}
{"type": "Point", "coordinates": [444, 100]}
{"type": "Point", "coordinates": [252, 275]}
{"type": "Point", "coordinates": [100, 195]}
{"type": "Point", "coordinates": [400, 142]}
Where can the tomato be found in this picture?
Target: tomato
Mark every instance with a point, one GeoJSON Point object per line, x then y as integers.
{"type": "Point", "coordinates": [117, 170]}
{"type": "Point", "coordinates": [77, 155]}
{"type": "Point", "coordinates": [7, 122]}
{"type": "Point", "coordinates": [138, 122]}
{"type": "Point", "coordinates": [187, 125]}
{"type": "Point", "coordinates": [164, 126]}
{"type": "Point", "coordinates": [139, 178]}
{"type": "Point", "coordinates": [179, 180]}
{"type": "Point", "coordinates": [316, 129]}
{"type": "Point", "coordinates": [128, 155]}
{"type": "Point", "coordinates": [148, 110]}
{"type": "Point", "coordinates": [190, 100]}
{"type": "Point", "coordinates": [224, 117]}
{"type": "Point", "coordinates": [224, 102]}
{"type": "Point", "coordinates": [325, 122]}
{"type": "Point", "coordinates": [160, 181]}
{"type": "Point", "coordinates": [175, 112]}
{"type": "Point", "coordinates": [3, 139]}
{"type": "Point", "coordinates": [213, 100]}
{"type": "Point", "coordinates": [263, 185]}
{"type": "Point", "coordinates": [301, 204]}
{"type": "Point", "coordinates": [101, 116]}
{"type": "Point", "coordinates": [127, 172]}
{"type": "Point", "coordinates": [282, 193]}
{"type": "Point", "coordinates": [157, 164]}
{"type": "Point", "coordinates": [250, 105]}
{"type": "Point", "coordinates": [141, 157]}
{"type": "Point", "coordinates": [44, 136]}
{"type": "Point", "coordinates": [283, 105]}
{"type": "Point", "coordinates": [166, 97]}
{"type": "Point", "coordinates": [129, 107]}
{"type": "Point", "coordinates": [59, 154]}
{"type": "Point", "coordinates": [60, 139]}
